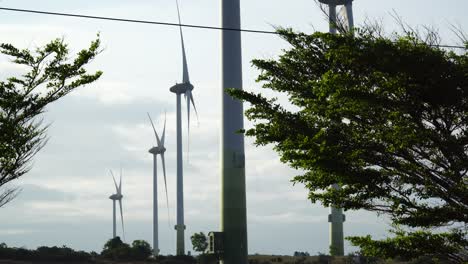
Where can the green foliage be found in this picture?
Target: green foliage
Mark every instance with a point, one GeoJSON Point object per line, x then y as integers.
{"type": "Point", "coordinates": [141, 250]}
{"type": "Point", "coordinates": [406, 245]}
{"type": "Point", "coordinates": [301, 254]}
{"type": "Point", "coordinates": [116, 249]}
{"type": "Point", "coordinates": [63, 253]}
{"type": "Point", "coordinates": [385, 118]}
{"type": "Point", "coordinates": [199, 242]}
{"type": "Point", "coordinates": [49, 75]}
{"type": "Point", "coordinates": [333, 250]}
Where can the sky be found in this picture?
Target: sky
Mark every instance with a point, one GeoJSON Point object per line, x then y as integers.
{"type": "Point", "coordinates": [103, 126]}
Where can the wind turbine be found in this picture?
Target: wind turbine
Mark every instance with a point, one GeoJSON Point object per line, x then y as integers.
{"type": "Point", "coordinates": [158, 150]}
{"type": "Point", "coordinates": [117, 197]}
{"type": "Point", "coordinates": [182, 88]}
{"type": "Point", "coordinates": [336, 216]}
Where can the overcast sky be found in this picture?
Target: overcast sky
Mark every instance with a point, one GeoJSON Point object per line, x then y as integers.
{"type": "Point", "coordinates": [104, 125]}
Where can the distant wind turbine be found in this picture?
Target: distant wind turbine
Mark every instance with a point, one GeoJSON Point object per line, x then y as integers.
{"type": "Point", "coordinates": [158, 150]}
{"type": "Point", "coordinates": [117, 197]}
{"type": "Point", "coordinates": [182, 88]}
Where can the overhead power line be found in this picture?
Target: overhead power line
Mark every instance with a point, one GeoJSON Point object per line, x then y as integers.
{"type": "Point", "coordinates": [135, 20]}
{"type": "Point", "coordinates": [164, 23]}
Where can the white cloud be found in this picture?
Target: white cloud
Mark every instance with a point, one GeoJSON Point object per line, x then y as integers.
{"type": "Point", "coordinates": [16, 231]}
{"type": "Point", "coordinates": [108, 92]}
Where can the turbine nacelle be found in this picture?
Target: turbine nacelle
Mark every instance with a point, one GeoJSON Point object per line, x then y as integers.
{"type": "Point", "coordinates": [157, 150]}
{"type": "Point", "coordinates": [181, 88]}
{"type": "Point", "coordinates": [116, 197]}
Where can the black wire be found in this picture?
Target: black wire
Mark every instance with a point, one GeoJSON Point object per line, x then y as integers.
{"type": "Point", "coordinates": [166, 23]}
{"type": "Point", "coordinates": [136, 21]}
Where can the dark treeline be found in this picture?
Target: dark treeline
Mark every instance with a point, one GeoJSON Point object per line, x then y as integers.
{"type": "Point", "coordinates": [114, 249]}
{"type": "Point", "coordinates": [45, 254]}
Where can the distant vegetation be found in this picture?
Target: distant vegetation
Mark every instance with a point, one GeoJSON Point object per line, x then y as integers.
{"type": "Point", "coordinates": [114, 250]}
{"type": "Point", "coordinates": [44, 254]}
{"type": "Point", "coordinates": [140, 251]}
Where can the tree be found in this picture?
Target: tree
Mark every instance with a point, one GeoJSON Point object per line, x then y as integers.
{"type": "Point", "coordinates": [141, 250]}
{"type": "Point", "coordinates": [116, 249]}
{"type": "Point", "coordinates": [50, 75]}
{"type": "Point", "coordinates": [199, 242]}
{"type": "Point", "coordinates": [113, 243]}
{"type": "Point", "coordinates": [386, 119]}
{"type": "Point", "coordinates": [301, 254]}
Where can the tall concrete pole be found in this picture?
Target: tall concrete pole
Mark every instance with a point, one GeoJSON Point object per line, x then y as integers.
{"type": "Point", "coordinates": [332, 18]}
{"type": "Point", "coordinates": [233, 195]}
{"type": "Point", "coordinates": [155, 207]}
{"type": "Point", "coordinates": [336, 219]}
{"type": "Point", "coordinates": [336, 216]}
{"type": "Point", "coordinates": [114, 227]}
{"type": "Point", "coordinates": [349, 14]}
{"type": "Point", "coordinates": [180, 227]}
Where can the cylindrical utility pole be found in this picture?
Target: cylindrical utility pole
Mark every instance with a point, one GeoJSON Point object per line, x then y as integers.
{"type": "Point", "coordinates": [336, 216]}
{"type": "Point", "coordinates": [332, 18]}
{"type": "Point", "coordinates": [349, 14]}
{"type": "Point", "coordinates": [233, 194]}
{"type": "Point", "coordinates": [155, 206]}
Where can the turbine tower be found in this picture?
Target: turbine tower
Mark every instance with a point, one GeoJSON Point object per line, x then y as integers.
{"type": "Point", "coordinates": [233, 194]}
{"type": "Point", "coordinates": [182, 88]}
{"type": "Point", "coordinates": [336, 216]}
{"type": "Point", "coordinates": [117, 197]}
{"type": "Point", "coordinates": [158, 150]}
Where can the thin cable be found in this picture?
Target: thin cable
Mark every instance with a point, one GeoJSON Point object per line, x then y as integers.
{"type": "Point", "coordinates": [135, 21]}
{"type": "Point", "coordinates": [167, 23]}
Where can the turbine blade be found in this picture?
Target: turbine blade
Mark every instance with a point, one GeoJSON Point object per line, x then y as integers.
{"type": "Point", "coordinates": [154, 129]}
{"type": "Point", "coordinates": [194, 107]}
{"type": "Point", "coordinates": [121, 217]}
{"type": "Point", "coordinates": [164, 131]}
{"type": "Point", "coordinates": [190, 99]}
{"type": "Point", "coordinates": [342, 18]}
{"type": "Point", "coordinates": [185, 76]}
{"type": "Point", "coordinates": [165, 184]}
{"type": "Point", "coordinates": [115, 183]}
{"type": "Point", "coordinates": [120, 183]}
{"type": "Point", "coordinates": [188, 94]}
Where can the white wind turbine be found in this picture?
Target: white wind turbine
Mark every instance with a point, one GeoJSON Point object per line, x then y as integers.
{"type": "Point", "coordinates": [158, 150]}
{"type": "Point", "coordinates": [117, 197]}
{"type": "Point", "coordinates": [182, 88]}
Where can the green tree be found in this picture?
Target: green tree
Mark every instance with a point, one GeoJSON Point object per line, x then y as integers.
{"type": "Point", "coordinates": [386, 119]}
{"type": "Point", "coordinates": [199, 242]}
{"type": "Point", "coordinates": [116, 249]}
{"type": "Point", "coordinates": [113, 243]}
{"type": "Point", "coordinates": [141, 250]}
{"type": "Point", "coordinates": [49, 75]}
